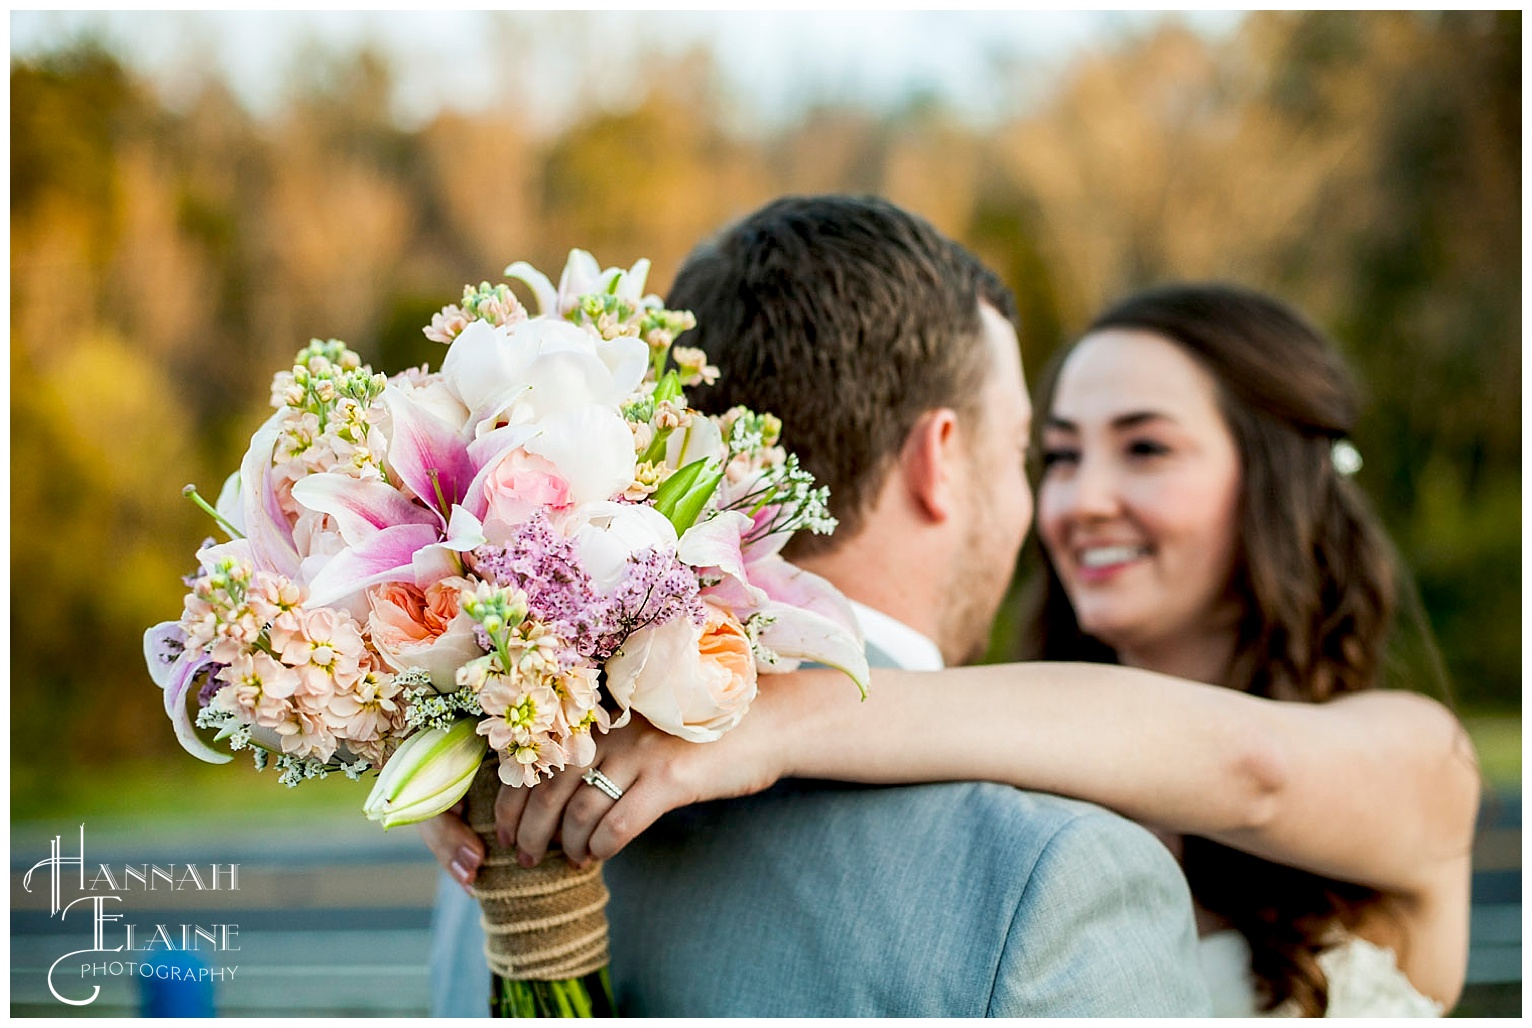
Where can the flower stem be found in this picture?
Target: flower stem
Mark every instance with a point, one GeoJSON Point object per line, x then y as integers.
{"type": "Point", "coordinates": [590, 996]}
{"type": "Point", "coordinates": [190, 491]}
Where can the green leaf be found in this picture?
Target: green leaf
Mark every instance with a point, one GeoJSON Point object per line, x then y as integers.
{"type": "Point", "coordinates": [690, 506]}
{"type": "Point", "coordinates": [674, 488]}
{"type": "Point", "coordinates": [669, 387]}
{"type": "Point", "coordinates": [656, 450]}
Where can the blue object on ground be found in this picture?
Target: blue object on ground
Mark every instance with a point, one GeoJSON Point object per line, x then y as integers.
{"type": "Point", "coordinates": [179, 985]}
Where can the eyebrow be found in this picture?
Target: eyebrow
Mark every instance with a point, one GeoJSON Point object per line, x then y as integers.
{"type": "Point", "coordinates": [1122, 421]}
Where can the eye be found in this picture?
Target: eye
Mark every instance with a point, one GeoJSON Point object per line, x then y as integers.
{"type": "Point", "coordinates": [1147, 448]}
{"type": "Point", "coordinates": [1059, 455]}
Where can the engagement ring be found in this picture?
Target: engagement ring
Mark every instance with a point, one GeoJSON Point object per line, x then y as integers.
{"type": "Point", "coordinates": [602, 782]}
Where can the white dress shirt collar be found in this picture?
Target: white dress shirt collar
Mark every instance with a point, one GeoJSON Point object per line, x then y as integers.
{"type": "Point", "coordinates": [911, 650]}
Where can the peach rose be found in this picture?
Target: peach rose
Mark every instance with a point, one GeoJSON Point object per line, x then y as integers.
{"type": "Point", "coordinates": [411, 627]}
{"type": "Point", "coordinates": [693, 683]}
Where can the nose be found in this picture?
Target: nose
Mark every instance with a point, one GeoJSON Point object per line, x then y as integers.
{"type": "Point", "coordinates": [1095, 495]}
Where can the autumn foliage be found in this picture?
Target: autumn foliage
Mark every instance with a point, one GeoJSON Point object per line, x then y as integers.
{"type": "Point", "coordinates": [166, 260]}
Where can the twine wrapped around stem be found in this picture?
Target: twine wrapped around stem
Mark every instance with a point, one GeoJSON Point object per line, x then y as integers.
{"type": "Point", "coordinates": [545, 923]}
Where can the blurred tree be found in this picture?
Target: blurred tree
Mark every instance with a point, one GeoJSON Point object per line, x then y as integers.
{"type": "Point", "coordinates": [167, 260]}
{"type": "Point", "coordinates": [651, 180]}
{"type": "Point", "coordinates": [1365, 166]}
{"type": "Point", "coordinates": [95, 443]}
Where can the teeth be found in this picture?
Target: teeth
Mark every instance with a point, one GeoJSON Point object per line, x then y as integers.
{"type": "Point", "coordinates": [1100, 558]}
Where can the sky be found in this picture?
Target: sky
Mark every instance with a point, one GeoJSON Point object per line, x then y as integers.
{"type": "Point", "coordinates": [775, 63]}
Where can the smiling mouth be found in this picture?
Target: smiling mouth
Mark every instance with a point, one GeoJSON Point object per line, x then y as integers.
{"type": "Point", "coordinates": [1106, 556]}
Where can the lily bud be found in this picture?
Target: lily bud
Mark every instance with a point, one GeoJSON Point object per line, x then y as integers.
{"type": "Point", "coordinates": [428, 774]}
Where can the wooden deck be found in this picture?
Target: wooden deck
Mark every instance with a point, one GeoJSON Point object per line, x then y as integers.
{"type": "Point", "coordinates": [334, 918]}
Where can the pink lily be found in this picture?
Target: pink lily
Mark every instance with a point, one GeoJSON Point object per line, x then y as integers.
{"type": "Point", "coordinates": [174, 669]}
{"type": "Point", "coordinates": [390, 535]}
{"type": "Point", "coordinates": [428, 455]}
{"type": "Point", "coordinates": [261, 517]}
{"type": "Point", "coordinates": [802, 616]}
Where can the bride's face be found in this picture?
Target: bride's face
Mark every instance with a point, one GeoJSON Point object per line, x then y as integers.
{"type": "Point", "coordinates": [1140, 493]}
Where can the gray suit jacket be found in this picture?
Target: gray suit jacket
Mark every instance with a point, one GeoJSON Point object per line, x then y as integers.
{"type": "Point", "coordinates": [964, 899]}
{"type": "Point", "coordinates": [955, 900]}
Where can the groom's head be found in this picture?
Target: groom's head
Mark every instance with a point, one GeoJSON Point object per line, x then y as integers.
{"type": "Point", "coordinates": [890, 355]}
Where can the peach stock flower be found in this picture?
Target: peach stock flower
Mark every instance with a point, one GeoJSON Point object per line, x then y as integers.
{"type": "Point", "coordinates": [411, 627]}
{"type": "Point", "coordinates": [693, 683]}
{"type": "Point", "coordinates": [259, 689]}
{"type": "Point", "coordinates": [326, 649]}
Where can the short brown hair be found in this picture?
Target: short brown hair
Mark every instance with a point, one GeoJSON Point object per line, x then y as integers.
{"type": "Point", "coordinates": [846, 317]}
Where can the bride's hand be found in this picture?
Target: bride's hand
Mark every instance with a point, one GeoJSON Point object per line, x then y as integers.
{"type": "Point", "coordinates": [656, 773]}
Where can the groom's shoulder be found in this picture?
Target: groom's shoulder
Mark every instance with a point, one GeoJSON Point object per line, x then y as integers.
{"type": "Point", "coordinates": [931, 899]}
{"type": "Point", "coordinates": [973, 819]}
{"type": "Point", "coordinates": [1002, 807]}
{"type": "Point", "coordinates": [986, 812]}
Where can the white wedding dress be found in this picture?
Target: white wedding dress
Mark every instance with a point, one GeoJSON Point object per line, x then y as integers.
{"type": "Point", "coordinates": [1364, 980]}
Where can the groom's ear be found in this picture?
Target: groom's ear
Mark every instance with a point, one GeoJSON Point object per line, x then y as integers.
{"type": "Point", "coordinates": [931, 461]}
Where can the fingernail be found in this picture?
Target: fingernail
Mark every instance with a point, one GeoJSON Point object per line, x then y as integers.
{"type": "Point", "coordinates": [467, 858]}
{"type": "Point", "coordinates": [525, 859]}
{"type": "Point", "coordinates": [459, 872]}
{"type": "Point", "coordinates": [505, 838]}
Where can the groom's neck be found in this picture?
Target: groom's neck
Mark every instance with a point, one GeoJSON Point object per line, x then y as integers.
{"type": "Point", "coordinates": [890, 578]}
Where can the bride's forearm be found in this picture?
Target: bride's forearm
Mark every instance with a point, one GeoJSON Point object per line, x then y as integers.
{"type": "Point", "coordinates": [1175, 754]}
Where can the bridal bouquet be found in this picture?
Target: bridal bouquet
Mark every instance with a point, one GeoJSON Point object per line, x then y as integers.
{"type": "Point", "coordinates": [485, 565]}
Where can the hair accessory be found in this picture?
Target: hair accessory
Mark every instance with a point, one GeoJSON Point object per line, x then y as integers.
{"type": "Point", "coordinates": [602, 782]}
{"type": "Point", "coordinates": [1345, 457]}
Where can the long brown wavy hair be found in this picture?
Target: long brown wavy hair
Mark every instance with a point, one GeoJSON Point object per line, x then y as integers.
{"type": "Point", "coordinates": [1314, 569]}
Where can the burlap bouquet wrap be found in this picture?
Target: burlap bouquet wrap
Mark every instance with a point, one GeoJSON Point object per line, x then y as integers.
{"type": "Point", "coordinates": [544, 923]}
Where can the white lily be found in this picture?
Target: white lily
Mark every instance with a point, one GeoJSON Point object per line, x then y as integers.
{"type": "Point", "coordinates": [534, 370]}
{"type": "Point", "coordinates": [428, 774]}
{"type": "Point", "coordinates": [582, 274]}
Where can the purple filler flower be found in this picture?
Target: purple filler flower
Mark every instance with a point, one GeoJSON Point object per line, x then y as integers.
{"type": "Point", "coordinates": [210, 683]}
{"type": "Point", "coordinates": [655, 588]}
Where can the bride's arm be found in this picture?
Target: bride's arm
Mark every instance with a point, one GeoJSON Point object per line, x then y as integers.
{"type": "Point", "coordinates": [1378, 788]}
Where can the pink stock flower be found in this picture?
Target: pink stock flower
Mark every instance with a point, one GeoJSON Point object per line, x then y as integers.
{"type": "Point", "coordinates": [580, 714]}
{"type": "Point", "coordinates": [579, 748]}
{"type": "Point", "coordinates": [579, 698]}
{"type": "Point", "coordinates": [377, 751]}
{"type": "Point", "coordinates": [367, 716]}
{"type": "Point", "coordinates": [339, 710]}
{"type": "Point", "coordinates": [529, 763]}
{"type": "Point", "coordinates": [380, 708]}
{"type": "Point", "coordinates": [199, 622]}
{"type": "Point", "coordinates": [517, 711]}
{"type": "Point", "coordinates": [217, 617]}
{"type": "Point", "coordinates": [446, 324]}
{"type": "Point", "coordinates": [275, 599]}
